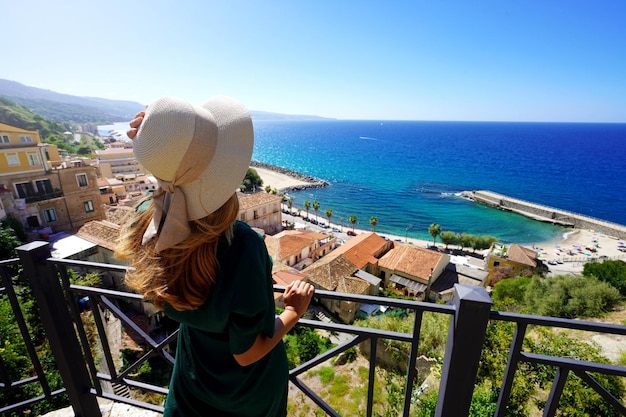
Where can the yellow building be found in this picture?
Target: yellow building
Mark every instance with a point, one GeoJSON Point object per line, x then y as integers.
{"type": "Point", "coordinates": [23, 152]}
{"type": "Point", "coordinates": [514, 259]}
{"type": "Point", "coordinates": [39, 190]}
{"type": "Point", "coordinates": [118, 161]}
{"type": "Point", "coordinates": [261, 210]}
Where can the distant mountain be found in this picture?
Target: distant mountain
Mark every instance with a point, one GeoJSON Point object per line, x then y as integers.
{"type": "Point", "coordinates": [17, 115]}
{"type": "Point", "coordinates": [265, 115]}
{"type": "Point", "coordinates": [77, 110]}
{"type": "Point", "coordinates": [68, 108]}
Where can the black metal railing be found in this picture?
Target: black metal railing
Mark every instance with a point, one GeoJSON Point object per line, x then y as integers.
{"type": "Point", "coordinates": [33, 198]}
{"type": "Point", "coordinates": [90, 369]}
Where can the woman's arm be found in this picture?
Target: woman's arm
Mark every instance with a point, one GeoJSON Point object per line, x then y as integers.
{"type": "Point", "coordinates": [297, 296]}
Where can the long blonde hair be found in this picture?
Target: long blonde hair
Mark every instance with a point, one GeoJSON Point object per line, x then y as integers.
{"type": "Point", "coordinates": [182, 275]}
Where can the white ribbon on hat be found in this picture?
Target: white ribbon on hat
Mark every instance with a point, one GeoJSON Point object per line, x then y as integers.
{"type": "Point", "coordinates": [170, 220]}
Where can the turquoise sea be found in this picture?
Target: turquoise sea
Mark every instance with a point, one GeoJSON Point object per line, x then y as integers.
{"type": "Point", "coordinates": [409, 173]}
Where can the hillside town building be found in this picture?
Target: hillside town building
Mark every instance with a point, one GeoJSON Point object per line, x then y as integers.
{"type": "Point", "coordinates": [45, 193]}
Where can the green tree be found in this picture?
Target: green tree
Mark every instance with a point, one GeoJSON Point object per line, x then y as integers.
{"type": "Point", "coordinates": [329, 214]}
{"type": "Point", "coordinates": [466, 240]}
{"type": "Point", "coordinates": [307, 206]}
{"type": "Point", "coordinates": [303, 344]}
{"type": "Point", "coordinates": [353, 221]}
{"type": "Point", "coordinates": [84, 151]}
{"type": "Point", "coordinates": [510, 289]}
{"type": "Point", "coordinates": [449, 238]}
{"type": "Point", "coordinates": [578, 398]}
{"type": "Point", "coordinates": [434, 231]}
{"type": "Point", "coordinates": [374, 222]}
{"type": "Point", "coordinates": [316, 207]}
{"type": "Point", "coordinates": [252, 180]}
{"type": "Point", "coordinates": [482, 242]}
{"type": "Point", "coordinates": [8, 243]}
{"type": "Point", "coordinates": [290, 203]}
{"type": "Point", "coordinates": [16, 362]}
{"type": "Point", "coordinates": [613, 272]}
{"type": "Point", "coordinates": [570, 296]}
{"type": "Point", "coordinates": [17, 226]}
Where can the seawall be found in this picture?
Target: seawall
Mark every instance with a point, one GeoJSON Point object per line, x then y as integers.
{"type": "Point", "coordinates": [545, 213]}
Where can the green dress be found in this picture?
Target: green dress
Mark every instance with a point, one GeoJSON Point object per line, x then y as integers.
{"type": "Point", "coordinates": [206, 380]}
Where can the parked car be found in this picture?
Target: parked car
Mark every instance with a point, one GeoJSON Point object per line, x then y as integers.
{"type": "Point", "coordinates": [351, 233]}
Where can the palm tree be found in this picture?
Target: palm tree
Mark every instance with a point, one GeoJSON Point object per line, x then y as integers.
{"type": "Point", "coordinates": [307, 206]}
{"type": "Point", "coordinates": [290, 204]}
{"type": "Point", "coordinates": [268, 189]}
{"type": "Point", "coordinates": [353, 221]}
{"type": "Point", "coordinates": [316, 207]}
{"type": "Point", "coordinates": [434, 231]}
{"type": "Point", "coordinates": [329, 214]}
{"type": "Point", "coordinates": [283, 198]}
{"type": "Point", "coordinates": [374, 222]}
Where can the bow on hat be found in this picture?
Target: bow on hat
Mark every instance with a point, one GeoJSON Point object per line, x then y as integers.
{"type": "Point", "coordinates": [170, 219]}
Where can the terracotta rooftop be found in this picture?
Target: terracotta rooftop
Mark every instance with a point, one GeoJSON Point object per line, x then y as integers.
{"type": "Point", "coordinates": [362, 249]}
{"type": "Point", "coordinates": [522, 255]}
{"type": "Point", "coordinates": [330, 272]}
{"type": "Point", "coordinates": [117, 214]}
{"type": "Point", "coordinates": [290, 242]}
{"type": "Point", "coordinates": [352, 285]}
{"type": "Point", "coordinates": [247, 201]}
{"type": "Point", "coordinates": [283, 247]}
{"type": "Point", "coordinates": [286, 276]}
{"type": "Point", "coordinates": [411, 260]}
{"type": "Point", "coordinates": [309, 234]}
{"type": "Point", "coordinates": [100, 232]}
{"type": "Point", "coordinates": [105, 232]}
{"type": "Point", "coordinates": [103, 182]}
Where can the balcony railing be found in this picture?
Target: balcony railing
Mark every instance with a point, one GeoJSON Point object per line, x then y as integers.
{"type": "Point", "coordinates": [89, 373]}
{"type": "Point", "coordinates": [43, 196]}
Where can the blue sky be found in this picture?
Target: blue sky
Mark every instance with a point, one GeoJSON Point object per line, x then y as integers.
{"type": "Point", "coordinates": [500, 60]}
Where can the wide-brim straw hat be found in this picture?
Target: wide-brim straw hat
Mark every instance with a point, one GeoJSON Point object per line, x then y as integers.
{"type": "Point", "coordinates": [203, 151]}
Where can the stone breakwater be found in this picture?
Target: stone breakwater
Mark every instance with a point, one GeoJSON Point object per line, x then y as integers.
{"type": "Point", "coordinates": [311, 182]}
{"type": "Point", "coordinates": [545, 213]}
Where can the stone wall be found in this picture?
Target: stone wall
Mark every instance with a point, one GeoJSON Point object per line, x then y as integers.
{"type": "Point", "coordinates": [545, 213]}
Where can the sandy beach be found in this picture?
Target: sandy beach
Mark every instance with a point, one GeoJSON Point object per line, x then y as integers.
{"type": "Point", "coordinates": [573, 248]}
{"type": "Point", "coordinates": [278, 180]}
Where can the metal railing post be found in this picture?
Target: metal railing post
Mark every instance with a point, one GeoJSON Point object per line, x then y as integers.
{"type": "Point", "coordinates": [465, 341]}
{"type": "Point", "coordinates": [59, 327]}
